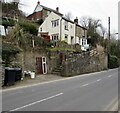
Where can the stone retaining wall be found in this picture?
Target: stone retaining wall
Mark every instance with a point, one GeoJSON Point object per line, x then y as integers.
{"type": "Point", "coordinates": [80, 64]}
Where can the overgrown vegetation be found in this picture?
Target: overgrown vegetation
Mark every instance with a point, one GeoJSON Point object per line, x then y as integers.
{"type": "Point", "coordinates": [39, 22]}
{"type": "Point", "coordinates": [64, 42]}
{"type": "Point", "coordinates": [113, 62]}
{"type": "Point", "coordinates": [11, 10]}
{"type": "Point", "coordinates": [29, 27]}
{"type": "Point", "coordinates": [8, 51]}
{"type": "Point", "coordinates": [7, 22]}
{"type": "Point", "coordinates": [56, 49]}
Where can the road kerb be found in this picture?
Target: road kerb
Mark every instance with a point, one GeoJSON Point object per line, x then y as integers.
{"type": "Point", "coordinates": [3, 90]}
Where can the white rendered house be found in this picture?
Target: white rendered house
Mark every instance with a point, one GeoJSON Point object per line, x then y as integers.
{"type": "Point", "coordinates": [58, 28]}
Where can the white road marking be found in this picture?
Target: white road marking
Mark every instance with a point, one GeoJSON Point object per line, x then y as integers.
{"type": "Point", "coordinates": [45, 99]}
{"type": "Point", "coordinates": [99, 80]}
{"type": "Point", "coordinates": [84, 85]}
{"type": "Point", "coordinates": [110, 75]}
{"type": "Point", "coordinates": [91, 83]}
{"type": "Point", "coordinates": [95, 81]}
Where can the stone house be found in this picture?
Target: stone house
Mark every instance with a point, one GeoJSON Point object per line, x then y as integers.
{"type": "Point", "coordinates": [81, 35]}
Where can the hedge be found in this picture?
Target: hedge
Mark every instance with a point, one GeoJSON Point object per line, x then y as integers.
{"type": "Point", "coordinates": [113, 62]}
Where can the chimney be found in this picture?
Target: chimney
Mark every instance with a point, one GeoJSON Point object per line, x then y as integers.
{"type": "Point", "coordinates": [76, 20]}
{"type": "Point", "coordinates": [57, 9]}
{"type": "Point", "coordinates": [38, 2]}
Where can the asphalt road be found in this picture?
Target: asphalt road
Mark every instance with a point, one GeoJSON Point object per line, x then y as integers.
{"type": "Point", "coordinates": [93, 92]}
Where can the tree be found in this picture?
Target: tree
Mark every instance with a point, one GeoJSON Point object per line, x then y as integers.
{"type": "Point", "coordinates": [92, 25]}
{"type": "Point", "coordinates": [69, 16]}
{"type": "Point", "coordinates": [103, 30]}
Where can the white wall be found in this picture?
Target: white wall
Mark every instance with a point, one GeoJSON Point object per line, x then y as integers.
{"type": "Point", "coordinates": [2, 30]}
{"type": "Point", "coordinates": [70, 32]}
{"type": "Point", "coordinates": [47, 25]}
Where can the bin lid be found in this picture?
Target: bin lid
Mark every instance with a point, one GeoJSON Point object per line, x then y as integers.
{"type": "Point", "coordinates": [15, 69]}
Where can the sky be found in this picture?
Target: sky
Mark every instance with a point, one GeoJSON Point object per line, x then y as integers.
{"type": "Point", "coordinates": [98, 9]}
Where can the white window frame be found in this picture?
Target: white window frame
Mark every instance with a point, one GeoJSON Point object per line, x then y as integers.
{"type": "Point", "coordinates": [55, 37]}
{"type": "Point", "coordinates": [55, 23]}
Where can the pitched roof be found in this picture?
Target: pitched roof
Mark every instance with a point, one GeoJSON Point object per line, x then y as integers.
{"type": "Point", "coordinates": [81, 26]}
{"type": "Point", "coordinates": [73, 22]}
{"type": "Point", "coordinates": [67, 20]}
{"type": "Point", "coordinates": [49, 9]}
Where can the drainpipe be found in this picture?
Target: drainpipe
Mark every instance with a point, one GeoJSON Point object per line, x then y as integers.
{"type": "Point", "coordinates": [60, 29]}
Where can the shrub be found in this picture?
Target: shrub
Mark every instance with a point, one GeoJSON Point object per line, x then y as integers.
{"type": "Point", "coordinates": [29, 27]}
{"type": "Point", "coordinates": [64, 42]}
{"type": "Point", "coordinates": [8, 22]}
{"type": "Point", "coordinates": [39, 22]}
{"type": "Point", "coordinates": [113, 62]}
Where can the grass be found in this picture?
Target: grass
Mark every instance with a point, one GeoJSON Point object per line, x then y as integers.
{"type": "Point", "coordinates": [55, 49]}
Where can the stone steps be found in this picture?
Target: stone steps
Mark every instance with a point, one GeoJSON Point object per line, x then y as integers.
{"type": "Point", "coordinates": [58, 70]}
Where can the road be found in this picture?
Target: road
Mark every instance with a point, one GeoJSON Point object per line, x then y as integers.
{"type": "Point", "coordinates": [92, 92]}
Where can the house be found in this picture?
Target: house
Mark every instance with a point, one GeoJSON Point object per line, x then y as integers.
{"type": "Point", "coordinates": [58, 28]}
{"type": "Point", "coordinates": [41, 12]}
{"type": "Point", "coordinates": [81, 36]}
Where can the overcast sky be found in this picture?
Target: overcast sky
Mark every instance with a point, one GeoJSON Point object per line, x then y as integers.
{"type": "Point", "coordinates": [99, 9]}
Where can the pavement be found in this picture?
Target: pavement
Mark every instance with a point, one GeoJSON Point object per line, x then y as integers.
{"type": "Point", "coordinates": [29, 81]}
{"type": "Point", "coordinates": [89, 92]}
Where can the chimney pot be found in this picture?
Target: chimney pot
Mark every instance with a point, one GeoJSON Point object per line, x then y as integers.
{"type": "Point", "coordinates": [76, 21]}
{"type": "Point", "coordinates": [57, 9]}
{"type": "Point", "coordinates": [38, 2]}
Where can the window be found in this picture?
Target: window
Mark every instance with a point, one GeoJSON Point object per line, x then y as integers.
{"type": "Point", "coordinates": [83, 41]}
{"type": "Point", "coordinates": [41, 29]}
{"type": "Point", "coordinates": [66, 37]}
{"type": "Point", "coordinates": [72, 39]}
{"type": "Point", "coordinates": [83, 33]}
{"type": "Point", "coordinates": [55, 23]}
{"type": "Point", "coordinates": [55, 37]}
{"type": "Point", "coordinates": [79, 40]}
{"type": "Point", "coordinates": [66, 25]}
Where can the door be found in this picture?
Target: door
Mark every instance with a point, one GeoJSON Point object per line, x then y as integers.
{"type": "Point", "coordinates": [44, 67]}
{"type": "Point", "coordinates": [39, 65]}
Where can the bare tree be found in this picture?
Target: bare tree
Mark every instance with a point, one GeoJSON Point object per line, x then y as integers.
{"type": "Point", "coordinates": [69, 16]}
{"type": "Point", "coordinates": [103, 30]}
{"type": "Point", "coordinates": [89, 22]}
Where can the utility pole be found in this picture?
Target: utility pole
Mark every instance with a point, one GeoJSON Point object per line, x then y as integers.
{"type": "Point", "coordinates": [109, 27]}
{"type": "Point", "coordinates": [108, 41]}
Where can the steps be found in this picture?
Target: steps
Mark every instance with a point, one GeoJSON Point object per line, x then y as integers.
{"type": "Point", "coordinates": [57, 70]}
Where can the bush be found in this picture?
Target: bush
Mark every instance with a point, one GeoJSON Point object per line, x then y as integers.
{"type": "Point", "coordinates": [64, 42]}
{"type": "Point", "coordinates": [8, 22]}
{"type": "Point", "coordinates": [113, 62]}
{"type": "Point", "coordinates": [29, 27]}
{"type": "Point", "coordinates": [39, 22]}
